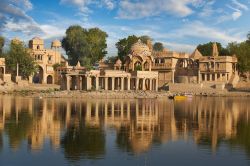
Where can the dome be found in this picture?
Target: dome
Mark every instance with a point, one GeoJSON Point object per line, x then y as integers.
{"type": "Point", "coordinates": [140, 49]}
{"type": "Point", "coordinates": [36, 38]}
{"type": "Point", "coordinates": [56, 43]}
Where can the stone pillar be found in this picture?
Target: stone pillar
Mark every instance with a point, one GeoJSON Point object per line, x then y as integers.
{"type": "Point", "coordinates": [106, 83]}
{"type": "Point", "coordinates": [144, 84]}
{"type": "Point", "coordinates": [80, 82]}
{"type": "Point", "coordinates": [137, 84]}
{"type": "Point", "coordinates": [173, 76]}
{"type": "Point", "coordinates": [156, 84]}
{"type": "Point", "coordinates": [128, 83]}
{"type": "Point", "coordinates": [113, 83]}
{"type": "Point", "coordinates": [199, 77]}
{"type": "Point", "coordinates": [150, 84]}
{"type": "Point", "coordinates": [88, 82]}
{"type": "Point", "coordinates": [67, 82]}
{"type": "Point", "coordinates": [122, 83]}
{"type": "Point", "coordinates": [97, 83]}
{"type": "Point", "coordinates": [205, 77]}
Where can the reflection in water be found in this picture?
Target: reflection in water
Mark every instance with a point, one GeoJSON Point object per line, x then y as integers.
{"type": "Point", "coordinates": [81, 128]}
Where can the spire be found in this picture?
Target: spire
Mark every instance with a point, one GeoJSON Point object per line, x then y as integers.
{"type": "Point", "coordinates": [215, 50]}
{"type": "Point", "coordinates": [78, 64]}
{"type": "Point", "coordinates": [196, 54]}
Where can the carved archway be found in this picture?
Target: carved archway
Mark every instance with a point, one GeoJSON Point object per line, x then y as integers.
{"type": "Point", "coordinates": [49, 79]}
{"type": "Point", "coordinates": [38, 77]}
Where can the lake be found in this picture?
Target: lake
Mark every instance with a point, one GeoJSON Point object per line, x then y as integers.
{"type": "Point", "coordinates": [197, 131]}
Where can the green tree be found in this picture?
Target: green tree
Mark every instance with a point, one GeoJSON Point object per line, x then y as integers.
{"type": "Point", "coordinates": [1, 45]}
{"type": "Point", "coordinates": [83, 44]}
{"type": "Point", "coordinates": [111, 59]}
{"type": "Point", "coordinates": [248, 38]}
{"type": "Point", "coordinates": [145, 39]}
{"type": "Point", "coordinates": [158, 46]}
{"type": "Point", "coordinates": [242, 51]}
{"type": "Point", "coordinates": [206, 49]}
{"type": "Point", "coordinates": [19, 54]}
{"type": "Point", "coordinates": [124, 46]}
{"type": "Point", "coordinates": [57, 65]}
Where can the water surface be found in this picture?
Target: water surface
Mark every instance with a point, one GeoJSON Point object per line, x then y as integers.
{"type": "Point", "coordinates": [198, 131]}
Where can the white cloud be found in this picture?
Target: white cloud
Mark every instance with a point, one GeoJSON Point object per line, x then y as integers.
{"type": "Point", "coordinates": [109, 4]}
{"type": "Point", "coordinates": [239, 5]}
{"type": "Point", "coordinates": [181, 47]}
{"type": "Point", "coordinates": [132, 10]}
{"type": "Point", "coordinates": [83, 5]}
{"type": "Point", "coordinates": [198, 29]}
{"type": "Point", "coordinates": [207, 9]}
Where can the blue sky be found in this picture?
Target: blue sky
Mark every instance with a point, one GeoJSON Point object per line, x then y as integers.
{"type": "Point", "coordinates": [180, 24]}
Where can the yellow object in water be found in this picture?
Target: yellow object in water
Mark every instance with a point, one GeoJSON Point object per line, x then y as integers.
{"type": "Point", "coordinates": [180, 97]}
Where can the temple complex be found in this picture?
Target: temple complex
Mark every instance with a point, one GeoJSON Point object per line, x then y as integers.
{"type": "Point", "coordinates": [145, 69]}
{"type": "Point", "coordinates": [45, 58]}
{"type": "Point", "coordinates": [136, 74]}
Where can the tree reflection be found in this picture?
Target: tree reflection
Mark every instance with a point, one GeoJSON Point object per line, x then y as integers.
{"type": "Point", "coordinates": [242, 136]}
{"type": "Point", "coordinates": [18, 129]}
{"type": "Point", "coordinates": [1, 141]}
{"type": "Point", "coordinates": [82, 141]}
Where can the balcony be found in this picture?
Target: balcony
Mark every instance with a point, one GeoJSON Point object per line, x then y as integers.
{"type": "Point", "coordinates": [161, 66]}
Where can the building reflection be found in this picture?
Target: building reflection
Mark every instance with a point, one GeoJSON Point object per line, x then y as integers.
{"type": "Point", "coordinates": [80, 127]}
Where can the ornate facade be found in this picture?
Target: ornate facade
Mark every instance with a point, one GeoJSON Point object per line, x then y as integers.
{"type": "Point", "coordinates": [137, 74]}
{"type": "Point", "coordinates": [145, 69]}
{"type": "Point", "coordinates": [45, 58]}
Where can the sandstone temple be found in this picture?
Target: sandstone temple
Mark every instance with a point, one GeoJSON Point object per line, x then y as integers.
{"type": "Point", "coordinates": [143, 69]}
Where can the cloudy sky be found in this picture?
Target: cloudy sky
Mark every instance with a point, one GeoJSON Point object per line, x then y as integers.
{"type": "Point", "coordinates": [180, 24]}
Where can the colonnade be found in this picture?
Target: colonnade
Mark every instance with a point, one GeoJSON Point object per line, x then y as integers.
{"type": "Point", "coordinates": [214, 77]}
{"type": "Point", "coordinates": [83, 82]}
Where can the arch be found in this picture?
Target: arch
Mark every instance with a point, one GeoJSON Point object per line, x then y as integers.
{"type": "Point", "coordinates": [38, 76]}
{"type": "Point", "coordinates": [49, 79]}
{"type": "Point", "coordinates": [137, 66]}
{"type": "Point", "coordinates": [146, 66]}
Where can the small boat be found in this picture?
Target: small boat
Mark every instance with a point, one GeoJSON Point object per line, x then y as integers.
{"type": "Point", "coordinates": [180, 97]}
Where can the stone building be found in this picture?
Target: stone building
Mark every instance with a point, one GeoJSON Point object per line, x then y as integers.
{"type": "Point", "coordinates": [2, 68]}
{"type": "Point", "coordinates": [195, 68]}
{"type": "Point", "coordinates": [217, 68]}
{"type": "Point", "coordinates": [145, 69]}
{"type": "Point", "coordinates": [3, 76]}
{"type": "Point", "coordinates": [137, 74]}
{"type": "Point", "coordinates": [45, 58]}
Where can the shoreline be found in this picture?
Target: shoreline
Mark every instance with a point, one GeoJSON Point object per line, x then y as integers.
{"type": "Point", "coordinates": [102, 94]}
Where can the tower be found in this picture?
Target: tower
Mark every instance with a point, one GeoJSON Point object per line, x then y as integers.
{"type": "Point", "coordinates": [215, 50]}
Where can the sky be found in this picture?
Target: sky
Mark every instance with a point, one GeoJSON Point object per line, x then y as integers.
{"type": "Point", "coordinates": [179, 24]}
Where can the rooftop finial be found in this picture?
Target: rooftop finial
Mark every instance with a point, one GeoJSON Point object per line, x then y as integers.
{"type": "Point", "coordinates": [215, 50]}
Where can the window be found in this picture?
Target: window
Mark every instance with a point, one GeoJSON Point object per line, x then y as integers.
{"type": "Point", "coordinates": [218, 65]}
